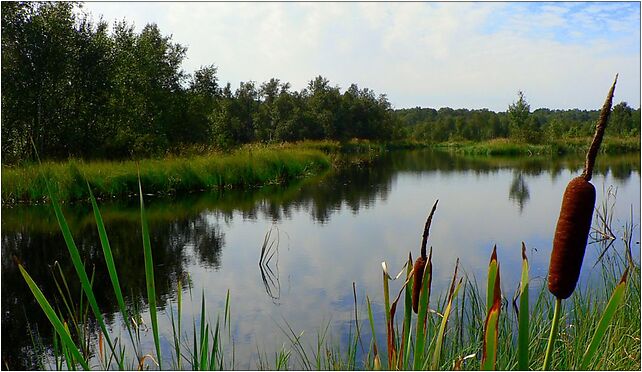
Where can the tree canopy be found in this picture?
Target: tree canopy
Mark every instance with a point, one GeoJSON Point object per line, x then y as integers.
{"type": "Point", "coordinates": [78, 89]}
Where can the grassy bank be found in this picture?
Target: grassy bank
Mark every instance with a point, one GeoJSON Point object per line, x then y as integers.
{"type": "Point", "coordinates": [246, 167]}
{"type": "Point", "coordinates": [507, 147]}
{"type": "Point", "coordinates": [195, 170]}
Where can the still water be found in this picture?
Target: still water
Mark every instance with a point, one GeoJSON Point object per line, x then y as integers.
{"type": "Point", "coordinates": [330, 231]}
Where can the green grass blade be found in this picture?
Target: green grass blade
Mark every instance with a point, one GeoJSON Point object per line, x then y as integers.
{"type": "Point", "coordinates": [600, 331]}
{"type": "Point", "coordinates": [80, 269]}
{"type": "Point", "coordinates": [442, 329]}
{"type": "Point", "coordinates": [204, 349]}
{"type": "Point", "coordinates": [228, 316]}
{"type": "Point", "coordinates": [215, 348]}
{"type": "Point", "coordinates": [203, 337]}
{"type": "Point", "coordinates": [424, 299]}
{"type": "Point", "coordinates": [374, 335]}
{"type": "Point", "coordinates": [149, 275]}
{"type": "Point", "coordinates": [69, 356]}
{"type": "Point", "coordinates": [111, 265]}
{"type": "Point", "coordinates": [53, 318]}
{"type": "Point", "coordinates": [523, 325]}
{"type": "Point", "coordinates": [176, 326]}
{"type": "Point", "coordinates": [489, 351]}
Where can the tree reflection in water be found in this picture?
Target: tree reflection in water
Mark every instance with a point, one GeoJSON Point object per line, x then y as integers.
{"type": "Point", "coordinates": [189, 230]}
{"type": "Point", "coordinates": [518, 192]}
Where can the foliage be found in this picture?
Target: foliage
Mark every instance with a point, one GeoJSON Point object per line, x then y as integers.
{"type": "Point", "coordinates": [542, 126]}
{"type": "Point", "coordinates": [81, 91]}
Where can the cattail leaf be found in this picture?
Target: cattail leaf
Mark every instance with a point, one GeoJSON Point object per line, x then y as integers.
{"type": "Point", "coordinates": [523, 325]}
{"type": "Point", "coordinates": [60, 328]}
{"type": "Point", "coordinates": [392, 347]}
{"type": "Point", "coordinates": [492, 275]}
{"type": "Point", "coordinates": [442, 328]}
{"type": "Point", "coordinates": [489, 351]}
{"type": "Point", "coordinates": [392, 350]}
{"type": "Point", "coordinates": [616, 299]}
{"type": "Point", "coordinates": [386, 293]}
{"type": "Point", "coordinates": [404, 351]}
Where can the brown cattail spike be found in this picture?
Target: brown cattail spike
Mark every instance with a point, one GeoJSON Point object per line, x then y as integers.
{"type": "Point", "coordinates": [599, 133]}
{"type": "Point", "coordinates": [571, 235]}
{"type": "Point", "coordinates": [418, 274]}
{"type": "Point", "coordinates": [576, 213]}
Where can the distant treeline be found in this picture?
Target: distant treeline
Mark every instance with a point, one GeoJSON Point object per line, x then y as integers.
{"type": "Point", "coordinates": [78, 89]}
{"type": "Point", "coordinates": [539, 126]}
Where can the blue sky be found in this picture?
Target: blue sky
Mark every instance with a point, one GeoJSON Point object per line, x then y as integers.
{"type": "Point", "coordinates": [460, 55]}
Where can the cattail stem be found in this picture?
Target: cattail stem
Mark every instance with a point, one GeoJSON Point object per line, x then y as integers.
{"type": "Point", "coordinates": [599, 133]}
{"type": "Point", "coordinates": [553, 335]}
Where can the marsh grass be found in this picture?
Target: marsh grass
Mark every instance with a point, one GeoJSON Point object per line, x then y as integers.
{"type": "Point", "coordinates": [246, 167]}
{"type": "Point", "coordinates": [508, 147]}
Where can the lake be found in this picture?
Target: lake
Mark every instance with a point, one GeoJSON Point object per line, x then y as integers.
{"type": "Point", "coordinates": [331, 231]}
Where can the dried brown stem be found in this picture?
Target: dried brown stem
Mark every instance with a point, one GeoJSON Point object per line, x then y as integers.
{"type": "Point", "coordinates": [599, 133]}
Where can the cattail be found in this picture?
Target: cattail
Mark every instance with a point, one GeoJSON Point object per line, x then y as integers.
{"type": "Point", "coordinates": [576, 213]}
{"type": "Point", "coordinates": [420, 264]}
{"type": "Point", "coordinates": [418, 270]}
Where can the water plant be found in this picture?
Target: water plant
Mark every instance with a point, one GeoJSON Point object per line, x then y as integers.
{"type": "Point", "coordinates": [573, 227]}
{"type": "Point", "coordinates": [489, 330]}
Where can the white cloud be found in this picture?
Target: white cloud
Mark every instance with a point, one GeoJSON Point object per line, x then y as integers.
{"type": "Point", "coordinates": [470, 55]}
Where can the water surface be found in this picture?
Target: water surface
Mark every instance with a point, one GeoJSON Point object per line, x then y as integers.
{"type": "Point", "coordinates": [332, 230]}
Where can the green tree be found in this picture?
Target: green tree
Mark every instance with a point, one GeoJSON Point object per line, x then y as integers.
{"type": "Point", "coordinates": [518, 114]}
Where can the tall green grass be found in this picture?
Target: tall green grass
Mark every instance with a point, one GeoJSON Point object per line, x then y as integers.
{"type": "Point", "coordinates": [508, 147]}
{"type": "Point", "coordinates": [246, 167]}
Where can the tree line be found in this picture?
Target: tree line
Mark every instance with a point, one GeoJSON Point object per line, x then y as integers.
{"type": "Point", "coordinates": [77, 88]}
{"type": "Point", "coordinates": [517, 123]}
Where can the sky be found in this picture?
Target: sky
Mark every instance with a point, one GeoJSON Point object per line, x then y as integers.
{"type": "Point", "coordinates": [459, 55]}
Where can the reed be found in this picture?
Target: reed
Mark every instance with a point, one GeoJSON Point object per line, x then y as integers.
{"type": "Point", "coordinates": [247, 167]}
{"type": "Point", "coordinates": [573, 227]}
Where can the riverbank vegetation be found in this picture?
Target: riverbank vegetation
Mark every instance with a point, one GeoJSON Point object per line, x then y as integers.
{"type": "Point", "coordinates": [508, 147]}
{"type": "Point", "coordinates": [517, 124]}
{"type": "Point", "coordinates": [246, 167]}
{"type": "Point", "coordinates": [78, 89]}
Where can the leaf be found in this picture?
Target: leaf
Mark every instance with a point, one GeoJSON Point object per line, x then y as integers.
{"type": "Point", "coordinates": [523, 325]}
{"type": "Point", "coordinates": [111, 266]}
{"type": "Point", "coordinates": [616, 299]}
{"type": "Point", "coordinates": [405, 345]}
{"type": "Point", "coordinates": [374, 335]}
{"type": "Point", "coordinates": [53, 319]}
{"type": "Point", "coordinates": [492, 274]}
{"type": "Point", "coordinates": [80, 268]}
{"type": "Point", "coordinates": [149, 274]}
{"type": "Point", "coordinates": [442, 328]}
{"type": "Point", "coordinates": [489, 351]}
